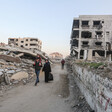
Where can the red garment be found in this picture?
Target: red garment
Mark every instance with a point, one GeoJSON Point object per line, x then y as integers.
{"type": "Point", "coordinates": [63, 61]}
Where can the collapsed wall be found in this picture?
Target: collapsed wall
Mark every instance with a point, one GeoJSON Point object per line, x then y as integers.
{"type": "Point", "coordinates": [96, 88]}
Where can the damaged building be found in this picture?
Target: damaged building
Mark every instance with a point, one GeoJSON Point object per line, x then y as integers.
{"type": "Point", "coordinates": [27, 42]}
{"type": "Point", "coordinates": [91, 37]}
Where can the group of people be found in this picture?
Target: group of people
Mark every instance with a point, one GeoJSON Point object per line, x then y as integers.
{"type": "Point", "coordinates": [46, 68]}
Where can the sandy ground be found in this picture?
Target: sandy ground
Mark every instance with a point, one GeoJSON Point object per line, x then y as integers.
{"type": "Point", "coordinates": [45, 97]}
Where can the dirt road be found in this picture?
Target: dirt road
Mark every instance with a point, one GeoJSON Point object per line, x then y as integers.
{"type": "Point", "coordinates": [45, 97]}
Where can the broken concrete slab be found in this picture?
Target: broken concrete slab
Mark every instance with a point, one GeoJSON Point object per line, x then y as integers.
{"type": "Point", "coordinates": [10, 72]}
{"type": "Point", "coordinates": [19, 55]}
{"type": "Point", "coordinates": [10, 58]}
{"type": "Point", "coordinates": [18, 70]}
{"type": "Point", "coordinates": [19, 76]}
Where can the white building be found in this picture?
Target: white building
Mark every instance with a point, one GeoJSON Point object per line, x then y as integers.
{"type": "Point", "coordinates": [27, 42]}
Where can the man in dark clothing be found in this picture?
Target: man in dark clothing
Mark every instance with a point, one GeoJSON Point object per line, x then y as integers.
{"type": "Point", "coordinates": [47, 70]}
{"type": "Point", "coordinates": [38, 66]}
{"type": "Point", "coordinates": [62, 63]}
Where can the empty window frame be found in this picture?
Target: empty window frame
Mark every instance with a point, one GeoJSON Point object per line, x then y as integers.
{"type": "Point", "coordinates": [33, 39]}
{"type": "Point", "coordinates": [96, 23]}
{"type": "Point", "coordinates": [22, 41]}
{"type": "Point", "coordinates": [81, 52]}
{"type": "Point", "coordinates": [85, 23]}
{"type": "Point", "coordinates": [98, 43]}
{"type": "Point", "coordinates": [11, 39]}
{"type": "Point", "coordinates": [75, 34]}
{"type": "Point", "coordinates": [107, 32]}
{"type": "Point", "coordinates": [100, 52]}
{"type": "Point", "coordinates": [86, 34]}
{"type": "Point", "coordinates": [99, 34]}
{"type": "Point", "coordinates": [75, 43]}
{"type": "Point", "coordinates": [85, 44]}
{"type": "Point", "coordinates": [76, 24]}
{"type": "Point", "coordinates": [102, 21]}
{"type": "Point", "coordinates": [33, 44]}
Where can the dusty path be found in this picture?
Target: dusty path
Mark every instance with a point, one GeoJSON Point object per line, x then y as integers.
{"type": "Point", "coordinates": [44, 97]}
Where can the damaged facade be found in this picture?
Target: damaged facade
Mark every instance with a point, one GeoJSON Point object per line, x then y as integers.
{"type": "Point", "coordinates": [30, 43]}
{"type": "Point", "coordinates": [91, 37]}
{"type": "Point", "coordinates": [56, 55]}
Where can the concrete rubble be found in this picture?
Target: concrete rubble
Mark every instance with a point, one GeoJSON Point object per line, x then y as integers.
{"type": "Point", "coordinates": [16, 66]}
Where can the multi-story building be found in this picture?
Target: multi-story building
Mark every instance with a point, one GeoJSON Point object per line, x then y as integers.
{"type": "Point", "coordinates": [27, 42]}
{"type": "Point", "coordinates": [91, 37]}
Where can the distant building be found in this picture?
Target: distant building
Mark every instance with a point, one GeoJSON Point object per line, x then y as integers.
{"type": "Point", "coordinates": [27, 42]}
{"type": "Point", "coordinates": [56, 55]}
{"type": "Point", "coordinates": [2, 44]}
{"type": "Point", "coordinates": [91, 37]}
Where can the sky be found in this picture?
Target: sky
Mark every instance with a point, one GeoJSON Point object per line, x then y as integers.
{"type": "Point", "coordinates": [49, 20]}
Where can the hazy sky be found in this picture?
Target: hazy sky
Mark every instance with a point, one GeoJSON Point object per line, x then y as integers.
{"type": "Point", "coordinates": [48, 20]}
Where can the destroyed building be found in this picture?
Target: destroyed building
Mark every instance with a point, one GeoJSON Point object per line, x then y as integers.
{"type": "Point", "coordinates": [91, 37]}
{"type": "Point", "coordinates": [27, 42]}
{"type": "Point", "coordinates": [56, 55]}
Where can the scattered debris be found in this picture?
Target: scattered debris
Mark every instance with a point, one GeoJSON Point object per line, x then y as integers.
{"type": "Point", "coordinates": [16, 66]}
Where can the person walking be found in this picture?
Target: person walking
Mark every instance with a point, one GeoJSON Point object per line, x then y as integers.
{"type": "Point", "coordinates": [47, 70]}
{"type": "Point", "coordinates": [38, 56]}
{"type": "Point", "coordinates": [62, 63]}
{"type": "Point", "coordinates": [38, 66]}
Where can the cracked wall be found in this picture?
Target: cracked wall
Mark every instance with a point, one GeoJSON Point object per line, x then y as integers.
{"type": "Point", "coordinates": [96, 89]}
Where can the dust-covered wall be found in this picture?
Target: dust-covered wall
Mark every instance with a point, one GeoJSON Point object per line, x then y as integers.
{"type": "Point", "coordinates": [96, 89]}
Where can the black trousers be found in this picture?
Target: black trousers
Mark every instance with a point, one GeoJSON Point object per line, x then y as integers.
{"type": "Point", "coordinates": [62, 66]}
{"type": "Point", "coordinates": [46, 76]}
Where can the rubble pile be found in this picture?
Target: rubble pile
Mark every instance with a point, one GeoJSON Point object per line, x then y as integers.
{"type": "Point", "coordinates": [14, 73]}
{"type": "Point", "coordinates": [16, 66]}
{"type": "Point", "coordinates": [102, 68]}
